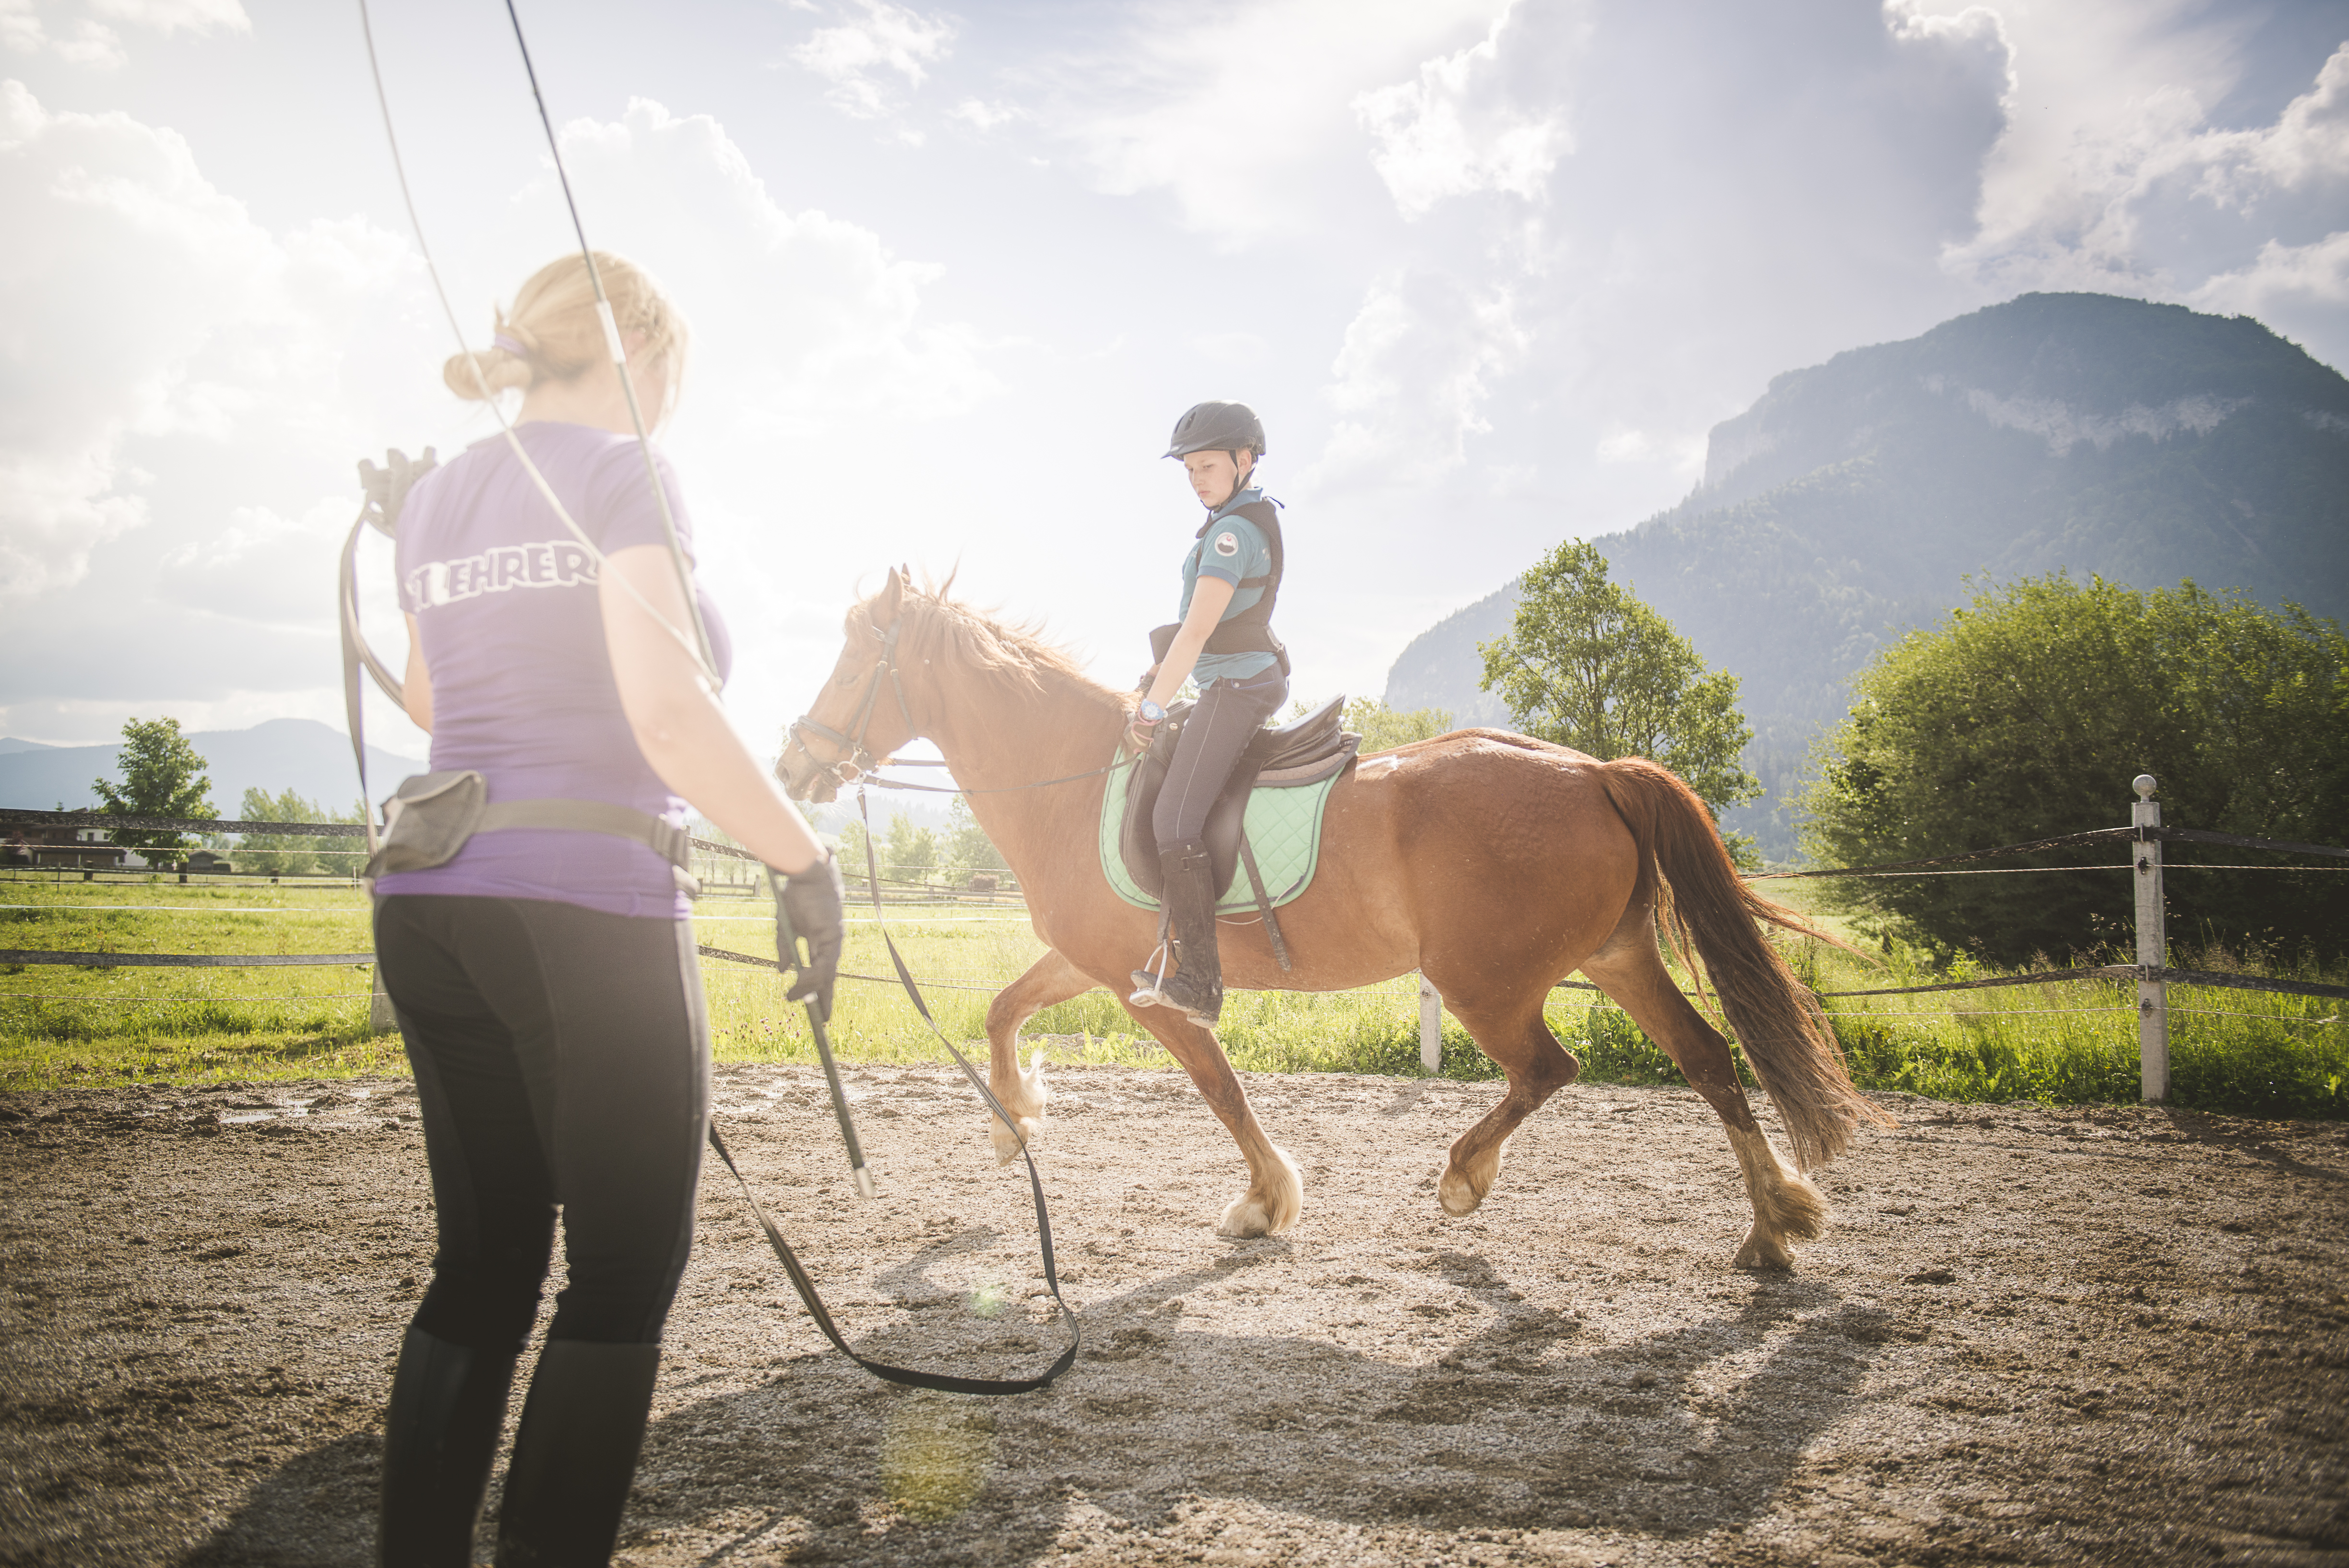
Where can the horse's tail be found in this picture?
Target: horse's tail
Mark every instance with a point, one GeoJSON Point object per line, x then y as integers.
{"type": "Point", "coordinates": [1777, 1020]}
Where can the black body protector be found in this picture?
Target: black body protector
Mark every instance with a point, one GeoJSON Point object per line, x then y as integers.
{"type": "Point", "coordinates": [1233, 428]}
{"type": "Point", "coordinates": [1250, 631]}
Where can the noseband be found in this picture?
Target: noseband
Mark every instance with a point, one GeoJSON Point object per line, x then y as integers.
{"type": "Point", "coordinates": [855, 759]}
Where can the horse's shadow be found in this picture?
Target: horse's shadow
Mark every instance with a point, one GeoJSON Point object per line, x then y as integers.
{"type": "Point", "coordinates": [1682, 1431]}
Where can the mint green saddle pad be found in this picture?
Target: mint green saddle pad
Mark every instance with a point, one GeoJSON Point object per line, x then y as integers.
{"type": "Point", "coordinates": [1283, 826]}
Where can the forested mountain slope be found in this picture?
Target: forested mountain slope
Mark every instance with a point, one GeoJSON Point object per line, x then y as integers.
{"type": "Point", "coordinates": [2145, 443]}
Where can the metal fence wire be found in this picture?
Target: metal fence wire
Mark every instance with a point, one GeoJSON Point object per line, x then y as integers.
{"type": "Point", "coordinates": [2146, 836]}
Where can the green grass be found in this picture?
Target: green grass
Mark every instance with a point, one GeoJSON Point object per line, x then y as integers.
{"type": "Point", "coordinates": [2236, 1051]}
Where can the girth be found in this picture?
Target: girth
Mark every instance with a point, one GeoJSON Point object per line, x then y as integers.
{"type": "Point", "coordinates": [1303, 752]}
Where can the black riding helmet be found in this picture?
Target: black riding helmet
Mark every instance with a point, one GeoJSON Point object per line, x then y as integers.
{"type": "Point", "coordinates": [1216, 427]}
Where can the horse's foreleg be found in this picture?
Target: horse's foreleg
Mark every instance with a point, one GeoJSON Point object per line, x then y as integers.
{"type": "Point", "coordinates": [1050, 979]}
{"type": "Point", "coordinates": [1514, 1036]}
{"type": "Point", "coordinates": [1786, 1207]}
{"type": "Point", "coordinates": [1275, 1189]}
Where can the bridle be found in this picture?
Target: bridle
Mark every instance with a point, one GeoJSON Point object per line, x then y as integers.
{"type": "Point", "coordinates": [855, 759]}
{"type": "Point", "coordinates": [857, 764]}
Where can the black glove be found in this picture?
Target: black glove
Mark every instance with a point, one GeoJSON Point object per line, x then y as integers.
{"type": "Point", "coordinates": [807, 905]}
{"type": "Point", "coordinates": [386, 488]}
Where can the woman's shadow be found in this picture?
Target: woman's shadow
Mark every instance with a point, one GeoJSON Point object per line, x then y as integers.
{"type": "Point", "coordinates": [1523, 1420]}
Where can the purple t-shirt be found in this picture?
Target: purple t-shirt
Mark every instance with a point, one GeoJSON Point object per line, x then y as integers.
{"type": "Point", "coordinates": [522, 683]}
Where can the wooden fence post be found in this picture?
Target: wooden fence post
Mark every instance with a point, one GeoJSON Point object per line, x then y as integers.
{"type": "Point", "coordinates": [2152, 994]}
{"type": "Point", "coordinates": [381, 1019]}
{"type": "Point", "coordinates": [1431, 1027]}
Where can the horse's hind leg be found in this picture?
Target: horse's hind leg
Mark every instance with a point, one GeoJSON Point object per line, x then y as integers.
{"type": "Point", "coordinates": [1786, 1207]}
{"type": "Point", "coordinates": [1275, 1189]}
{"type": "Point", "coordinates": [1049, 980]}
{"type": "Point", "coordinates": [1513, 1035]}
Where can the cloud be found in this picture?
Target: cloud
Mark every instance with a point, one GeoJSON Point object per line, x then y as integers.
{"type": "Point", "coordinates": [889, 39]}
{"type": "Point", "coordinates": [1241, 110]}
{"type": "Point", "coordinates": [1411, 378]}
{"type": "Point", "coordinates": [980, 115]}
{"type": "Point", "coordinates": [2307, 146]}
{"type": "Point", "coordinates": [1684, 453]}
{"type": "Point", "coordinates": [93, 44]}
{"type": "Point", "coordinates": [2109, 173]}
{"type": "Point", "coordinates": [2283, 279]}
{"type": "Point", "coordinates": [1463, 126]}
{"type": "Point", "coordinates": [823, 322]}
{"type": "Point", "coordinates": [262, 567]}
{"type": "Point", "coordinates": [155, 325]}
{"type": "Point", "coordinates": [123, 265]}
{"type": "Point", "coordinates": [169, 17]}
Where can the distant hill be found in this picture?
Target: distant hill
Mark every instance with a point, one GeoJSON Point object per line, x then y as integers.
{"type": "Point", "coordinates": [300, 755]}
{"type": "Point", "coordinates": [2143, 442]}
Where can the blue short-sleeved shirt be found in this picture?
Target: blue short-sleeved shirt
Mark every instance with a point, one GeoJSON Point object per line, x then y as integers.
{"type": "Point", "coordinates": [1234, 549]}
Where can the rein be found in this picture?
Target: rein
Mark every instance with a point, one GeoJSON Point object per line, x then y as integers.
{"type": "Point", "coordinates": [857, 766]}
{"type": "Point", "coordinates": [910, 1377]}
{"type": "Point", "coordinates": [879, 783]}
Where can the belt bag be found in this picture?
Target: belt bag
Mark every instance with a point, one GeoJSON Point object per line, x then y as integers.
{"type": "Point", "coordinates": [432, 815]}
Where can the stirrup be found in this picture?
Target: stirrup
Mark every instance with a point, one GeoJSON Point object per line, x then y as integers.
{"type": "Point", "coordinates": [1150, 989]}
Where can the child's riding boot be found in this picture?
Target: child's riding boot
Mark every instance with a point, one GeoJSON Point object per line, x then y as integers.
{"type": "Point", "coordinates": [1196, 987]}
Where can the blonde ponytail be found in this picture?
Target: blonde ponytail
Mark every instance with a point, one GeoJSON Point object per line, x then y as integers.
{"type": "Point", "coordinates": [553, 335]}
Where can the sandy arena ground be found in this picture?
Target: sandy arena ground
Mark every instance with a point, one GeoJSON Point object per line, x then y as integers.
{"type": "Point", "coordinates": [2031, 1336]}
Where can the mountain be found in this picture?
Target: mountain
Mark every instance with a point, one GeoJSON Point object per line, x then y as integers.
{"type": "Point", "coordinates": [9, 747]}
{"type": "Point", "coordinates": [301, 754]}
{"type": "Point", "coordinates": [2145, 443]}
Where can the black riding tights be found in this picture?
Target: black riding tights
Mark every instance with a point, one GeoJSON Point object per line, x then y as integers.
{"type": "Point", "coordinates": [561, 1056]}
{"type": "Point", "coordinates": [1230, 713]}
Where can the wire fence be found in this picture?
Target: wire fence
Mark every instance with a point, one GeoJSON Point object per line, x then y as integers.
{"type": "Point", "coordinates": [2144, 836]}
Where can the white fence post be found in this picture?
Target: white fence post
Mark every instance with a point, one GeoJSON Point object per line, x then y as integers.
{"type": "Point", "coordinates": [2152, 994]}
{"type": "Point", "coordinates": [1431, 1027]}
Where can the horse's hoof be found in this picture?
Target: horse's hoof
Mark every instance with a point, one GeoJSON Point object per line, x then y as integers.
{"type": "Point", "coordinates": [1457, 1194]}
{"type": "Point", "coordinates": [1245, 1217]}
{"type": "Point", "coordinates": [1007, 1146]}
{"type": "Point", "coordinates": [1270, 1206]}
{"type": "Point", "coordinates": [1761, 1251]}
{"type": "Point", "coordinates": [1025, 1097]}
{"type": "Point", "coordinates": [1463, 1185]}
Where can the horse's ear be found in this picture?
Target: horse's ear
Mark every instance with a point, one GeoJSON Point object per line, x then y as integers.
{"type": "Point", "coordinates": [891, 602]}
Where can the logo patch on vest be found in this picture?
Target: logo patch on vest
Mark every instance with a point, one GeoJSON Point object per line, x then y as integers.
{"type": "Point", "coordinates": [1227, 545]}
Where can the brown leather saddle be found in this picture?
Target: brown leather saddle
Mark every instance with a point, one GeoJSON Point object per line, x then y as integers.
{"type": "Point", "coordinates": [1303, 752]}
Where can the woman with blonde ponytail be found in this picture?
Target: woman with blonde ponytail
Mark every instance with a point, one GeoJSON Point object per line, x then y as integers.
{"type": "Point", "coordinates": [545, 976]}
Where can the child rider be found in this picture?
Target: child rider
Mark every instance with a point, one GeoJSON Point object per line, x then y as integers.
{"type": "Point", "coordinates": [1231, 580]}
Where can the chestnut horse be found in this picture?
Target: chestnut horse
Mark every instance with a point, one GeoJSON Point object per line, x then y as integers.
{"type": "Point", "coordinates": [1494, 864]}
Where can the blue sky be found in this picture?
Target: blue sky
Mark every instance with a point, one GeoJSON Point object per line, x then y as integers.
{"type": "Point", "coordinates": [1489, 271]}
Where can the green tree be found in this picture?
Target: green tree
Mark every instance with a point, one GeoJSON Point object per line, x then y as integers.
{"type": "Point", "coordinates": [162, 776]}
{"type": "Point", "coordinates": [967, 846]}
{"type": "Point", "coordinates": [909, 854]}
{"type": "Point", "coordinates": [1383, 728]}
{"type": "Point", "coordinates": [2027, 713]}
{"type": "Point", "coordinates": [296, 855]}
{"type": "Point", "coordinates": [851, 853]}
{"type": "Point", "coordinates": [1587, 664]}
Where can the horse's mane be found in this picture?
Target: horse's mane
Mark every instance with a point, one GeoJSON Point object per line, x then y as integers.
{"type": "Point", "coordinates": [1012, 657]}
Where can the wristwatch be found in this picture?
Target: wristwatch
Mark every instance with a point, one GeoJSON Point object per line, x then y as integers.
{"type": "Point", "coordinates": [1150, 712]}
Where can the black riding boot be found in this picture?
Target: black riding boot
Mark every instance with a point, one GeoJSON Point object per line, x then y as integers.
{"type": "Point", "coordinates": [576, 1454]}
{"type": "Point", "coordinates": [439, 1433]}
{"type": "Point", "coordinates": [1196, 986]}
